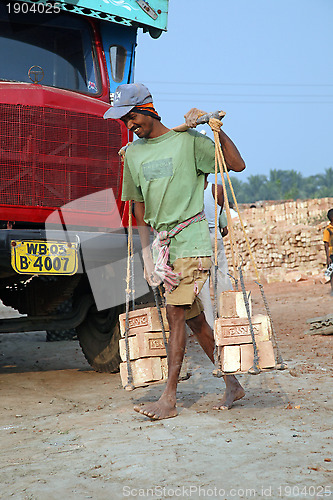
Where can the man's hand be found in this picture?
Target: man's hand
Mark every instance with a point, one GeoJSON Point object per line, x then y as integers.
{"type": "Point", "coordinates": [192, 116]}
{"type": "Point", "coordinates": [149, 274]}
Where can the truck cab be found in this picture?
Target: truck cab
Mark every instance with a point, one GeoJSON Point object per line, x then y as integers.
{"type": "Point", "coordinates": [63, 234]}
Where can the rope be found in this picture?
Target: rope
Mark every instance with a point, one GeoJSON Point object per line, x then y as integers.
{"type": "Point", "coordinates": [280, 364]}
{"type": "Point", "coordinates": [216, 354]}
{"type": "Point", "coordinates": [129, 291]}
{"type": "Point", "coordinates": [235, 280]}
{"type": "Point", "coordinates": [255, 368]}
{"type": "Point", "coordinates": [216, 128]}
{"type": "Point", "coordinates": [131, 254]}
{"type": "Point", "coordinates": [216, 125]}
{"type": "Point", "coordinates": [157, 298]}
{"type": "Point", "coordinates": [215, 243]}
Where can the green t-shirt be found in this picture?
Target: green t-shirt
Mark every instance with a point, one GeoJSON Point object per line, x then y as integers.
{"type": "Point", "coordinates": [167, 174]}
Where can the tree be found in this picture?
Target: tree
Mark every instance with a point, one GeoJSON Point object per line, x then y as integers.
{"type": "Point", "coordinates": [282, 185]}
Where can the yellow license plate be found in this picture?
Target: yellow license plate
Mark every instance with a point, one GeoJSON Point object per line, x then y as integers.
{"type": "Point", "coordinates": [44, 257]}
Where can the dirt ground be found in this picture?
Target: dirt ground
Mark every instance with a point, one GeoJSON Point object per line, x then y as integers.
{"type": "Point", "coordinates": [70, 433]}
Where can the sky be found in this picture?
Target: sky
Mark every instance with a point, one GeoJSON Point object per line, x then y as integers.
{"type": "Point", "coordinates": [266, 63]}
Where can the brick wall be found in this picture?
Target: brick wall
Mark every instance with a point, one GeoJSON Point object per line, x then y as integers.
{"type": "Point", "coordinates": [284, 237]}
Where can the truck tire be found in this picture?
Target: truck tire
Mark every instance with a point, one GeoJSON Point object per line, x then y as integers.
{"type": "Point", "coordinates": [99, 336]}
{"type": "Point", "coordinates": [58, 335]}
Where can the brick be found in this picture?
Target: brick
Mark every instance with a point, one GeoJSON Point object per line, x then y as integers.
{"type": "Point", "coordinates": [247, 357]}
{"type": "Point", "coordinates": [230, 358]}
{"type": "Point", "coordinates": [183, 371]}
{"type": "Point", "coordinates": [143, 320]}
{"type": "Point", "coordinates": [144, 370]}
{"type": "Point", "coordinates": [265, 328]}
{"type": "Point", "coordinates": [236, 331]}
{"type": "Point", "coordinates": [143, 345]}
{"type": "Point", "coordinates": [231, 304]}
{"type": "Point", "coordinates": [265, 352]}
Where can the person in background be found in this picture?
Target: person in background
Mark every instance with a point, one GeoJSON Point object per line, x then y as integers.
{"type": "Point", "coordinates": [328, 243]}
{"type": "Point", "coordinates": [233, 212]}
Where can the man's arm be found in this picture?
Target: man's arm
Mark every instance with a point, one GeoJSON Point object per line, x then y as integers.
{"type": "Point", "coordinates": [232, 156]}
{"type": "Point", "coordinates": [220, 195]}
{"type": "Point", "coordinates": [327, 251]}
{"type": "Point", "coordinates": [144, 229]}
{"type": "Point", "coordinates": [144, 233]}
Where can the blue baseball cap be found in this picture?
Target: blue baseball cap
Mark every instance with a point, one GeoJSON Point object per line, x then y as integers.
{"type": "Point", "coordinates": [126, 97]}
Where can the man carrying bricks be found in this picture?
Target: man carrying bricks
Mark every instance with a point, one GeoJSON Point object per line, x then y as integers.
{"type": "Point", "coordinates": [164, 173]}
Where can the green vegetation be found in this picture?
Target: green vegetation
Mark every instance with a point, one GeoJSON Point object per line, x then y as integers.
{"type": "Point", "coordinates": [283, 185]}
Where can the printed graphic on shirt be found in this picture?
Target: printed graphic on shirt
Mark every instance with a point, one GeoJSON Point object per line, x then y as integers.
{"type": "Point", "coordinates": [157, 169]}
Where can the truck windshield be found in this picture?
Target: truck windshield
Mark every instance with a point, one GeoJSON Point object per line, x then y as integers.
{"type": "Point", "coordinates": [56, 48]}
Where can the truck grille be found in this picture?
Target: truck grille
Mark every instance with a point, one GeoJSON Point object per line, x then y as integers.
{"type": "Point", "coordinates": [50, 157]}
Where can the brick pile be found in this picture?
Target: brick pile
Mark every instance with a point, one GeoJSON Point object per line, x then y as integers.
{"type": "Point", "coordinates": [285, 239]}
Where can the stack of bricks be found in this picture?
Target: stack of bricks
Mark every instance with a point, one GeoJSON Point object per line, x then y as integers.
{"type": "Point", "coordinates": [147, 353]}
{"type": "Point", "coordinates": [298, 211]}
{"type": "Point", "coordinates": [284, 238]}
{"type": "Point", "coordinates": [233, 336]}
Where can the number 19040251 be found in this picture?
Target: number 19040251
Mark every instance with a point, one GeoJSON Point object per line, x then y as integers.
{"type": "Point", "coordinates": [34, 8]}
{"type": "Point", "coordinates": [305, 491]}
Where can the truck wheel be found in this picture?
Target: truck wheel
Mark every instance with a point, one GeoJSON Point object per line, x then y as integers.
{"type": "Point", "coordinates": [99, 336]}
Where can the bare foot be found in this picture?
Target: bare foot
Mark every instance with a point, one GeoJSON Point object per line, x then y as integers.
{"type": "Point", "coordinates": [165, 407]}
{"type": "Point", "coordinates": [229, 397]}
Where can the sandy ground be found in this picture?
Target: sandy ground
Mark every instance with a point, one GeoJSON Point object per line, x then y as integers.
{"type": "Point", "coordinates": [68, 432]}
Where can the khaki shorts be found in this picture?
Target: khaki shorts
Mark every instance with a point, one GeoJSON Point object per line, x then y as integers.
{"type": "Point", "coordinates": [193, 271]}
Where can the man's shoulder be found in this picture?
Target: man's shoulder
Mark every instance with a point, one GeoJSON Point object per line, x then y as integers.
{"type": "Point", "coordinates": [134, 144]}
{"type": "Point", "coordinates": [132, 148]}
{"type": "Point", "coordinates": [328, 232]}
{"type": "Point", "coordinates": [198, 135]}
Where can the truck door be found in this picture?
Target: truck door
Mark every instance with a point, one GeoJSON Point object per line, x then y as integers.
{"type": "Point", "coordinates": [119, 46]}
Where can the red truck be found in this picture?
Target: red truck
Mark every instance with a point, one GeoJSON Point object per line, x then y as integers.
{"type": "Point", "coordinates": [63, 238]}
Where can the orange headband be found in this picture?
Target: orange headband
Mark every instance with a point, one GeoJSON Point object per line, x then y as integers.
{"type": "Point", "coordinates": [147, 109]}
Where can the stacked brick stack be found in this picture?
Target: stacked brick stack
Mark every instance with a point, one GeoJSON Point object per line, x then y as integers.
{"type": "Point", "coordinates": [298, 212]}
{"type": "Point", "coordinates": [147, 353]}
{"type": "Point", "coordinates": [233, 336]}
{"type": "Point", "coordinates": [284, 238]}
